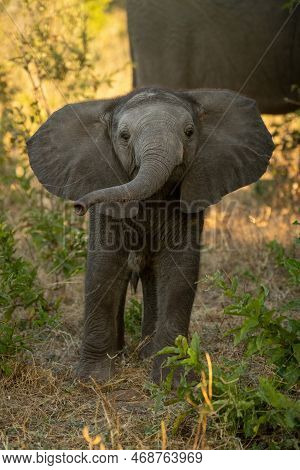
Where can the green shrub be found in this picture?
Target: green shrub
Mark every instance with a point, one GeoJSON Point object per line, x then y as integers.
{"type": "Point", "coordinates": [289, 263]}
{"type": "Point", "coordinates": [11, 342]}
{"type": "Point", "coordinates": [281, 187]}
{"type": "Point", "coordinates": [19, 285]}
{"type": "Point", "coordinates": [263, 330]}
{"type": "Point", "coordinates": [22, 301]}
{"type": "Point", "coordinates": [58, 241]}
{"type": "Point", "coordinates": [133, 318]}
{"type": "Point", "coordinates": [259, 413]}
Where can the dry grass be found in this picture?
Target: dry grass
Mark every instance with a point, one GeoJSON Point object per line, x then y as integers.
{"type": "Point", "coordinates": [42, 406]}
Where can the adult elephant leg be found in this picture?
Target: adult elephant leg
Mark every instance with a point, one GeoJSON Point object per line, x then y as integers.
{"type": "Point", "coordinates": [106, 277]}
{"type": "Point", "coordinates": [150, 310]}
{"type": "Point", "coordinates": [178, 270]}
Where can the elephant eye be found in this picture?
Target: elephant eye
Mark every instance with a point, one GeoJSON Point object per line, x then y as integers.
{"type": "Point", "coordinates": [189, 131]}
{"type": "Point", "coordinates": [125, 135]}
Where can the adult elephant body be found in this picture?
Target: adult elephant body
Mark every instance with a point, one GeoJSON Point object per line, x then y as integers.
{"type": "Point", "coordinates": [251, 46]}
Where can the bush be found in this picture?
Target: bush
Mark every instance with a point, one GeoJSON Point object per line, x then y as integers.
{"type": "Point", "coordinates": [289, 263]}
{"type": "Point", "coordinates": [58, 241]}
{"type": "Point", "coordinates": [133, 318]}
{"type": "Point", "coordinates": [263, 331]}
{"type": "Point", "coordinates": [261, 413]}
{"type": "Point", "coordinates": [22, 301]}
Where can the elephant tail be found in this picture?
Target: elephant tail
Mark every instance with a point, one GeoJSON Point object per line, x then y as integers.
{"type": "Point", "coordinates": [134, 281]}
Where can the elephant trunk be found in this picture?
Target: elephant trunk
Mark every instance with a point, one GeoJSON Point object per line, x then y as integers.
{"type": "Point", "coordinates": [153, 173]}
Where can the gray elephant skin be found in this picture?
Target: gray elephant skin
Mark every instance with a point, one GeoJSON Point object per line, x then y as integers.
{"type": "Point", "coordinates": [250, 46]}
{"type": "Point", "coordinates": [145, 166]}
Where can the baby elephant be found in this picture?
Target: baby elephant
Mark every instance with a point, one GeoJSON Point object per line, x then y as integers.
{"type": "Point", "coordinates": [146, 165]}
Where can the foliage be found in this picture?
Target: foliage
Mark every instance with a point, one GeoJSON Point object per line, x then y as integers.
{"type": "Point", "coordinates": [182, 354]}
{"type": "Point", "coordinates": [280, 187]}
{"type": "Point", "coordinates": [19, 284]}
{"type": "Point", "coordinates": [290, 5]}
{"type": "Point", "coordinates": [276, 337]}
{"type": "Point", "coordinates": [291, 264]}
{"type": "Point", "coordinates": [55, 46]}
{"type": "Point", "coordinates": [58, 241]}
{"type": "Point", "coordinates": [11, 343]}
{"type": "Point", "coordinates": [133, 318]}
{"type": "Point", "coordinates": [19, 290]}
{"type": "Point", "coordinates": [249, 412]}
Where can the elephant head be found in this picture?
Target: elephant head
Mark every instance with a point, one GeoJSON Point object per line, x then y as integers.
{"type": "Point", "coordinates": [207, 142]}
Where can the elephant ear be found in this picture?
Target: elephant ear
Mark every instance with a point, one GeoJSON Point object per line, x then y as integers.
{"type": "Point", "coordinates": [234, 149]}
{"type": "Point", "coordinates": [71, 153]}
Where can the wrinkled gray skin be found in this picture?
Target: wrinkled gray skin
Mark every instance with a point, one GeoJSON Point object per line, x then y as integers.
{"type": "Point", "coordinates": [242, 45]}
{"type": "Point", "coordinates": [186, 150]}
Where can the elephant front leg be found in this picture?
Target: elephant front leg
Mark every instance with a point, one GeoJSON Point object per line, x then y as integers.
{"type": "Point", "coordinates": [176, 288]}
{"type": "Point", "coordinates": [106, 282]}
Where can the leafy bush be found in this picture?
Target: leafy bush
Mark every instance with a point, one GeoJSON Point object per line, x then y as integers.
{"type": "Point", "coordinates": [289, 263]}
{"type": "Point", "coordinates": [280, 186]}
{"type": "Point", "coordinates": [19, 285]}
{"type": "Point", "coordinates": [133, 318]}
{"type": "Point", "coordinates": [11, 342]}
{"type": "Point", "coordinates": [251, 413]}
{"type": "Point", "coordinates": [58, 241]}
{"type": "Point", "coordinates": [276, 337]}
{"type": "Point", "coordinates": [19, 292]}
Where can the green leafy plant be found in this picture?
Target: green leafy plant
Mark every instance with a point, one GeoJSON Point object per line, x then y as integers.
{"type": "Point", "coordinates": [11, 342]}
{"type": "Point", "coordinates": [221, 395]}
{"type": "Point", "coordinates": [184, 355]}
{"type": "Point", "coordinates": [19, 285]}
{"type": "Point", "coordinates": [57, 240]}
{"type": "Point", "coordinates": [289, 263]}
{"type": "Point", "coordinates": [22, 301]}
{"type": "Point", "coordinates": [292, 265]}
{"type": "Point", "coordinates": [263, 330]}
{"type": "Point", "coordinates": [281, 186]}
{"type": "Point", "coordinates": [133, 318]}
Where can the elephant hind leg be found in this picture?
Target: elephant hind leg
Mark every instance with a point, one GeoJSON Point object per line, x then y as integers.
{"type": "Point", "coordinates": [177, 287]}
{"type": "Point", "coordinates": [150, 310]}
{"type": "Point", "coordinates": [120, 317]}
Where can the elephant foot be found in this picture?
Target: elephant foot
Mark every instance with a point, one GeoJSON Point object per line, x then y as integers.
{"type": "Point", "coordinates": [100, 371]}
